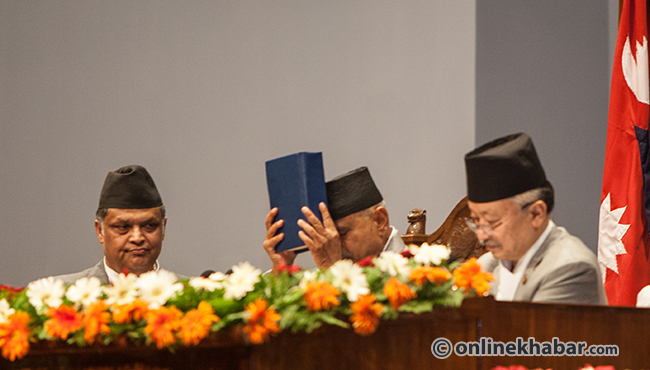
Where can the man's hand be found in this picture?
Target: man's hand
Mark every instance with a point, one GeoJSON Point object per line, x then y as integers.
{"type": "Point", "coordinates": [281, 259]}
{"type": "Point", "coordinates": [322, 239]}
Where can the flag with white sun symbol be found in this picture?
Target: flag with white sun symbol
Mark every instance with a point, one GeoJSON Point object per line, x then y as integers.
{"type": "Point", "coordinates": [623, 241]}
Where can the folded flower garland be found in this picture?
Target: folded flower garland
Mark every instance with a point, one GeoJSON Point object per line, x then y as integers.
{"type": "Point", "coordinates": [156, 309]}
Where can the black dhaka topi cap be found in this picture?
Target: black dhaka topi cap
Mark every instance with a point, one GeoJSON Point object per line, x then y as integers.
{"type": "Point", "coordinates": [503, 168]}
{"type": "Point", "coordinates": [351, 192]}
{"type": "Point", "coordinates": [129, 187]}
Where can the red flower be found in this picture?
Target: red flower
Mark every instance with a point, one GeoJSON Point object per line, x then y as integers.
{"type": "Point", "coordinates": [11, 291]}
{"type": "Point", "coordinates": [290, 269]}
{"type": "Point", "coordinates": [366, 262]}
{"type": "Point", "coordinates": [407, 253]}
{"type": "Point", "coordinates": [63, 321]}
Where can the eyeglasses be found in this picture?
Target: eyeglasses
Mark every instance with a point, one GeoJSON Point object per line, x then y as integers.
{"type": "Point", "coordinates": [489, 228]}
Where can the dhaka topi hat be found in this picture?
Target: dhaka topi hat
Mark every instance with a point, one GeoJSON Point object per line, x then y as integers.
{"type": "Point", "coordinates": [503, 168]}
{"type": "Point", "coordinates": [351, 192]}
{"type": "Point", "coordinates": [129, 187]}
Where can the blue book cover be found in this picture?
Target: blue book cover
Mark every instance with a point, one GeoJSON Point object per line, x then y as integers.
{"type": "Point", "coordinates": [294, 181]}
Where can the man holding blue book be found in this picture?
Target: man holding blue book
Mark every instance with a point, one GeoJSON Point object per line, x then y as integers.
{"type": "Point", "coordinates": [354, 226]}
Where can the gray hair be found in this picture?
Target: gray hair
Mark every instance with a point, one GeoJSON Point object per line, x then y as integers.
{"type": "Point", "coordinates": [543, 193]}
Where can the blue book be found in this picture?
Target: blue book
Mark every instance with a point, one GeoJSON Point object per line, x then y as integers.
{"type": "Point", "coordinates": [295, 181]}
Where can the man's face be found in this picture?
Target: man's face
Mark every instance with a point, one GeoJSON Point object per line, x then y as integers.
{"type": "Point", "coordinates": [512, 229]}
{"type": "Point", "coordinates": [132, 238]}
{"type": "Point", "coordinates": [361, 236]}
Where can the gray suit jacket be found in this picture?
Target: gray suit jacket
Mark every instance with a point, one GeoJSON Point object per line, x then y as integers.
{"type": "Point", "coordinates": [97, 271]}
{"type": "Point", "coordinates": [564, 270]}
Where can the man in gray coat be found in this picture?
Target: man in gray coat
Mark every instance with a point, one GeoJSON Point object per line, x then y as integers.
{"type": "Point", "coordinates": [130, 223]}
{"type": "Point", "coordinates": [531, 258]}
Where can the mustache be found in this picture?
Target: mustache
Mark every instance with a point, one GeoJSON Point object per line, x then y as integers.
{"type": "Point", "coordinates": [488, 243]}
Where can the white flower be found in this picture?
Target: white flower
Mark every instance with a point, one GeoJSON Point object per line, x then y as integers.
{"type": "Point", "coordinates": [45, 292]}
{"type": "Point", "coordinates": [84, 291]}
{"type": "Point", "coordinates": [5, 311]}
{"type": "Point", "coordinates": [431, 254]}
{"type": "Point", "coordinates": [156, 287]}
{"type": "Point", "coordinates": [211, 283]}
{"type": "Point", "coordinates": [350, 279]}
{"type": "Point", "coordinates": [123, 291]}
{"type": "Point", "coordinates": [308, 277]}
{"type": "Point", "coordinates": [393, 263]}
{"type": "Point", "coordinates": [242, 280]}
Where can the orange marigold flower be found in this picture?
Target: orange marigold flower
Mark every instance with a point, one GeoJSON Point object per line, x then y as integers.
{"type": "Point", "coordinates": [14, 336]}
{"type": "Point", "coordinates": [365, 317]}
{"type": "Point", "coordinates": [436, 275]}
{"type": "Point", "coordinates": [261, 321]}
{"type": "Point", "coordinates": [63, 321]}
{"type": "Point", "coordinates": [469, 275]}
{"type": "Point", "coordinates": [321, 295]}
{"type": "Point", "coordinates": [196, 324]}
{"type": "Point", "coordinates": [398, 293]}
{"type": "Point", "coordinates": [130, 312]}
{"type": "Point", "coordinates": [95, 321]}
{"type": "Point", "coordinates": [161, 324]}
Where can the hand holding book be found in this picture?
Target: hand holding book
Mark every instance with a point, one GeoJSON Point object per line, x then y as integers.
{"type": "Point", "coordinates": [283, 258]}
{"type": "Point", "coordinates": [322, 239]}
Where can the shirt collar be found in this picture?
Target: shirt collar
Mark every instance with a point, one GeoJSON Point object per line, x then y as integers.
{"type": "Point", "coordinates": [393, 233]}
{"type": "Point", "coordinates": [112, 274]}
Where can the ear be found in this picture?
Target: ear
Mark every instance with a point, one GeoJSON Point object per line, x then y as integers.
{"type": "Point", "coordinates": [380, 216]}
{"type": "Point", "coordinates": [538, 211]}
{"type": "Point", "coordinates": [164, 224]}
{"type": "Point", "coordinates": [98, 229]}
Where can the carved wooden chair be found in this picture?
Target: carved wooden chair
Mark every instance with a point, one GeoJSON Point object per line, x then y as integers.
{"type": "Point", "coordinates": [454, 232]}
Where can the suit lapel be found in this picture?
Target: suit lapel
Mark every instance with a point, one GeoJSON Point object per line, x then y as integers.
{"type": "Point", "coordinates": [99, 272]}
{"type": "Point", "coordinates": [525, 292]}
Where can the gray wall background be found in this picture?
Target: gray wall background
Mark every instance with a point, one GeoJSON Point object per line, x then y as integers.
{"type": "Point", "coordinates": [203, 92]}
{"type": "Point", "coordinates": [544, 67]}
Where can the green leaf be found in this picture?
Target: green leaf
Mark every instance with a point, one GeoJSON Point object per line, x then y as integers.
{"type": "Point", "coordinates": [223, 307]}
{"type": "Point", "coordinates": [417, 307]}
{"type": "Point", "coordinates": [330, 319]}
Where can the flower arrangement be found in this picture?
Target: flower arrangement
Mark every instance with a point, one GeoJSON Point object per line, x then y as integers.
{"type": "Point", "coordinates": [156, 309]}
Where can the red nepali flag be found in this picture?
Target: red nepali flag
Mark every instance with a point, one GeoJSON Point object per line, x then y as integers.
{"type": "Point", "coordinates": [623, 240]}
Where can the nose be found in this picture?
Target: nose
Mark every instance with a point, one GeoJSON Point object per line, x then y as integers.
{"type": "Point", "coordinates": [136, 236]}
{"type": "Point", "coordinates": [482, 235]}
